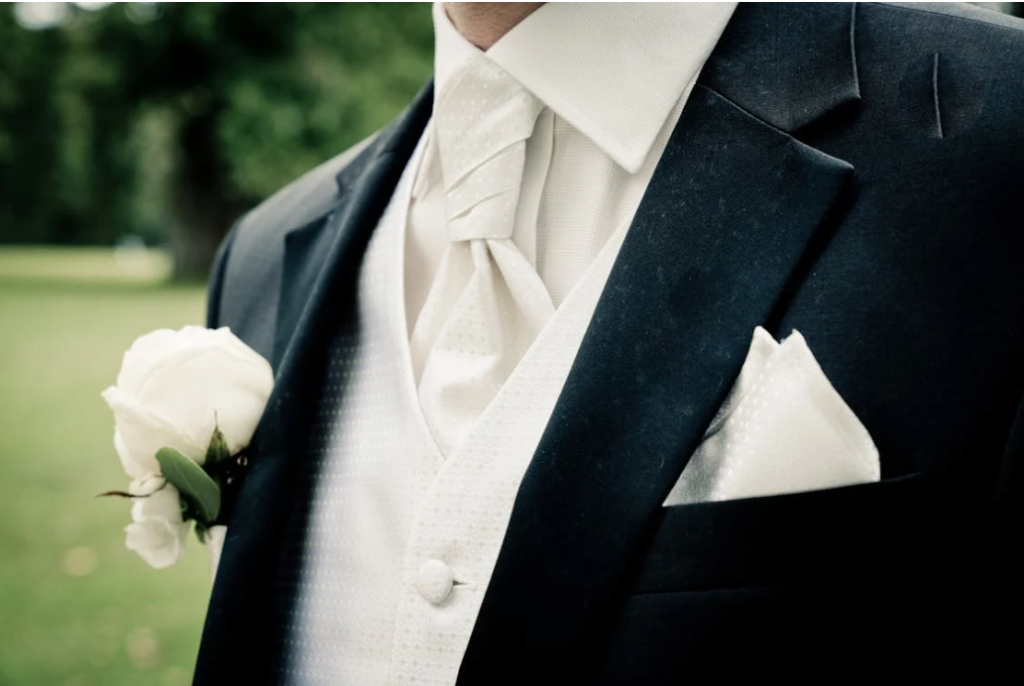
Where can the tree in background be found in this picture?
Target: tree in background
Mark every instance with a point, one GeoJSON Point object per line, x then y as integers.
{"type": "Point", "coordinates": [30, 150]}
{"type": "Point", "coordinates": [168, 121]}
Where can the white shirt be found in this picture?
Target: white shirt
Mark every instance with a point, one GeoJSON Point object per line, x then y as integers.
{"type": "Point", "coordinates": [614, 78]}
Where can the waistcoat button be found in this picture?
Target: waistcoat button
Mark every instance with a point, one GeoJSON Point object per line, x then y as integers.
{"type": "Point", "coordinates": [434, 581]}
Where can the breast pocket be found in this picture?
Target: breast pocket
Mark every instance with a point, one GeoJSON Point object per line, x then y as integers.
{"type": "Point", "coordinates": [789, 585]}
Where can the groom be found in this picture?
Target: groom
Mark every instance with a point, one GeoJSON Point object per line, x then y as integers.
{"type": "Point", "coordinates": [502, 327]}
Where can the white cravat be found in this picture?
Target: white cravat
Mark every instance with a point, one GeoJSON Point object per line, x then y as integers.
{"type": "Point", "coordinates": [487, 303]}
{"type": "Point", "coordinates": [613, 79]}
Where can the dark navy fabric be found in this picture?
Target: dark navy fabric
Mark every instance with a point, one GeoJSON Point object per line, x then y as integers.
{"type": "Point", "coordinates": [854, 172]}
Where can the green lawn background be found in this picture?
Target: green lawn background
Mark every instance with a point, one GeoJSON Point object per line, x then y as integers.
{"type": "Point", "coordinates": [76, 607]}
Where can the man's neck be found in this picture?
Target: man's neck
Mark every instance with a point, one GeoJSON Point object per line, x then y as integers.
{"type": "Point", "coordinates": [483, 23]}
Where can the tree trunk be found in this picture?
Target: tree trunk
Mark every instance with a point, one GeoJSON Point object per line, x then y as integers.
{"type": "Point", "coordinates": [203, 208]}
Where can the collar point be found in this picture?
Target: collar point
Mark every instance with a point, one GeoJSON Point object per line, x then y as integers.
{"type": "Point", "coordinates": [630, 157]}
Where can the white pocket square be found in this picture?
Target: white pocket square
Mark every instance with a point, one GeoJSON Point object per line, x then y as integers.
{"type": "Point", "coordinates": [783, 429]}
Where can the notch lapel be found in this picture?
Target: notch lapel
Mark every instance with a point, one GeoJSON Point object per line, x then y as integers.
{"type": "Point", "coordinates": [320, 272]}
{"type": "Point", "coordinates": [724, 224]}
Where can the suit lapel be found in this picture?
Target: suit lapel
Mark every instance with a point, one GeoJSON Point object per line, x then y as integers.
{"type": "Point", "coordinates": [320, 271]}
{"type": "Point", "coordinates": [317, 253]}
{"type": "Point", "coordinates": [724, 224]}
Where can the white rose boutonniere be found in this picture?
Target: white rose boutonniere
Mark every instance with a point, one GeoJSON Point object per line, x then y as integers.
{"type": "Point", "coordinates": [186, 405]}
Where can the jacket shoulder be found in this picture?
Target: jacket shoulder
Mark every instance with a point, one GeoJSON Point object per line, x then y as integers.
{"type": "Point", "coordinates": [984, 35]}
{"type": "Point", "coordinates": [298, 203]}
{"type": "Point", "coordinates": [942, 11]}
{"type": "Point", "coordinates": [245, 279]}
{"type": "Point", "coordinates": [963, 61]}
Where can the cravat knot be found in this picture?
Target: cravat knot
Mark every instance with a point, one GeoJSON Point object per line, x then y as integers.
{"type": "Point", "coordinates": [483, 119]}
{"type": "Point", "coordinates": [487, 303]}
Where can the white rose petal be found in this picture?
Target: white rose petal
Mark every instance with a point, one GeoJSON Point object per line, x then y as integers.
{"type": "Point", "coordinates": [144, 352]}
{"type": "Point", "coordinates": [145, 433]}
{"type": "Point", "coordinates": [131, 467]}
{"type": "Point", "coordinates": [157, 532]}
{"type": "Point", "coordinates": [158, 542]}
{"type": "Point", "coordinates": [157, 498]}
{"type": "Point", "coordinates": [174, 387]}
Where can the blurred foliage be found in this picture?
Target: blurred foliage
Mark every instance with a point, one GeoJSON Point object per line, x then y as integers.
{"type": "Point", "coordinates": [166, 121]}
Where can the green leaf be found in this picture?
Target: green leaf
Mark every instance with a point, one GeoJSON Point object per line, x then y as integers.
{"type": "Point", "coordinates": [218, 449]}
{"type": "Point", "coordinates": [191, 481]}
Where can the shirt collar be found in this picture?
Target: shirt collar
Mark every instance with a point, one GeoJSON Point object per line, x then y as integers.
{"type": "Point", "coordinates": [614, 71]}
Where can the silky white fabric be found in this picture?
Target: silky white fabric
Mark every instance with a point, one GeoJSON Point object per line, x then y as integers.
{"type": "Point", "coordinates": [782, 429]}
{"type": "Point", "coordinates": [487, 304]}
{"type": "Point", "coordinates": [613, 78]}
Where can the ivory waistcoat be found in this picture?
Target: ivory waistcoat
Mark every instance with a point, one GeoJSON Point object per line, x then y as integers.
{"type": "Point", "coordinates": [400, 542]}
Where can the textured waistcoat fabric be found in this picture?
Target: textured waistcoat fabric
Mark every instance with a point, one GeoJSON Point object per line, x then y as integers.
{"type": "Point", "coordinates": [401, 541]}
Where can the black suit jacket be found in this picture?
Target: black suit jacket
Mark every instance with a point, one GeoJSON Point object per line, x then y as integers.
{"type": "Point", "coordinates": [854, 172]}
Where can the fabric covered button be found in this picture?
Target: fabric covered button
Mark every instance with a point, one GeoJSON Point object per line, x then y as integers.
{"type": "Point", "coordinates": [434, 581]}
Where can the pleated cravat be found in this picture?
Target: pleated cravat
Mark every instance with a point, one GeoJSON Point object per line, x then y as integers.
{"type": "Point", "coordinates": [487, 303]}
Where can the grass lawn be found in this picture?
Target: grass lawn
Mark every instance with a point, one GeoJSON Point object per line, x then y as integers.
{"type": "Point", "coordinates": [76, 607]}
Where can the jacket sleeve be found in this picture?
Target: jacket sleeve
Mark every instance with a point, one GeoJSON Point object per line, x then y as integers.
{"type": "Point", "coordinates": [215, 287]}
